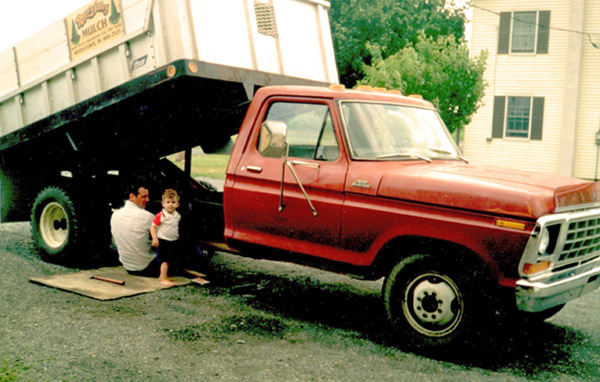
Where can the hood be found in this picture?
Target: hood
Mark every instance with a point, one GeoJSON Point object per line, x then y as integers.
{"type": "Point", "coordinates": [486, 189]}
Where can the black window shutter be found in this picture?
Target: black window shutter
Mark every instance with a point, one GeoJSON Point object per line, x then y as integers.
{"type": "Point", "coordinates": [537, 118]}
{"type": "Point", "coordinates": [498, 118]}
{"type": "Point", "coordinates": [504, 32]}
{"type": "Point", "coordinates": [543, 32]}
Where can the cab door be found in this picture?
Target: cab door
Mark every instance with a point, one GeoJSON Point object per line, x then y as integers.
{"type": "Point", "coordinates": [279, 214]}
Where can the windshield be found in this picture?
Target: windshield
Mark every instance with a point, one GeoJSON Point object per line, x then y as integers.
{"type": "Point", "coordinates": [392, 132]}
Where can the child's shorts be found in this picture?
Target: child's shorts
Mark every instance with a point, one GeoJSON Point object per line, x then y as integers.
{"type": "Point", "coordinates": [167, 250]}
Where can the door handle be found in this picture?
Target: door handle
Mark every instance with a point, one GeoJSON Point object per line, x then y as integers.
{"type": "Point", "coordinates": [254, 169]}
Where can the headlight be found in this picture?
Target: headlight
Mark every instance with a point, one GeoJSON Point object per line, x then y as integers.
{"type": "Point", "coordinates": [544, 242]}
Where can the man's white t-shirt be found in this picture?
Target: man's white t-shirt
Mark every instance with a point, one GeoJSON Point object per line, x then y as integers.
{"type": "Point", "coordinates": [130, 228]}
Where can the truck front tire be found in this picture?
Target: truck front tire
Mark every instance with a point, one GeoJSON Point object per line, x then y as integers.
{"type": "Point", "coordinates": [54, 224]}
{"type": "Point", "coordinates": [429, 303]}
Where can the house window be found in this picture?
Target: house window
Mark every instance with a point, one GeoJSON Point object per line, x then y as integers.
{"type": "Point", "coordinates": [518, 117]}
{"type": "Point", "coordinates": [524, 32]}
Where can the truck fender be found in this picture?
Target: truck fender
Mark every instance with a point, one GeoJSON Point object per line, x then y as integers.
{"type": "Point", "coordinates": [401, 247]}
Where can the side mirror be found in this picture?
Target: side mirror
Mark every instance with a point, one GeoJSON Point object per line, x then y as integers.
{"type": "Point", "coordinates": [272, 142]}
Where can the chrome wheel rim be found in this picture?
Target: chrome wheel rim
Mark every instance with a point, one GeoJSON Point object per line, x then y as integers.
{"type": "Point", "coordinates": [433, 304]}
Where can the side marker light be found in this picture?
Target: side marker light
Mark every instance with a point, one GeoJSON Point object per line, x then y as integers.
{"type": "Point", "coordinates": [192, 67]}
{"type": "Point", "coordinates": [509, 224]}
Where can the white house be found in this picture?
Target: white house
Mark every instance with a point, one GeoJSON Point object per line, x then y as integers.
{"type": "Point", "coordinates": [541, 109]}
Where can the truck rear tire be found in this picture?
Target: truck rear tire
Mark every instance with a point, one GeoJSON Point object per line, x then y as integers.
{"type": "Point", "coordinates": [54, 224]}
{"type": "Point", "coordinates": [430, 303]}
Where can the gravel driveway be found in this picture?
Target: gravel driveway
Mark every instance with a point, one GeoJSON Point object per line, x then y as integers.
{"type": "Point", "coordinates": [226, 331]}
{"type": "Point", "coordinates": [256, 321]}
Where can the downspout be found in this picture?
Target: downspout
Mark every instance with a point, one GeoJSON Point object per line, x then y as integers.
{"type": "Point", "coordinates": [566, 164]}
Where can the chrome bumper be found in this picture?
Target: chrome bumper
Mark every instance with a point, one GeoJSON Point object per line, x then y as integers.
{"type": "Point", "coordinates": [536, 296]}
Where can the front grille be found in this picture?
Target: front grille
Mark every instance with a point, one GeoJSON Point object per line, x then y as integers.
{"type": "Point", "coordinates": [583, 239]}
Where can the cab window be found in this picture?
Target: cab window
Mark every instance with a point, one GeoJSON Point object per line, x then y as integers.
{"type": "Point", "coordinates": [310, 132]}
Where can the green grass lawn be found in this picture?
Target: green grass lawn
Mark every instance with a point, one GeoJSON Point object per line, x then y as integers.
{"type": "Point", "coordinates": [206, 165]}
{"type": "Point", "coordinates": [12, 370]}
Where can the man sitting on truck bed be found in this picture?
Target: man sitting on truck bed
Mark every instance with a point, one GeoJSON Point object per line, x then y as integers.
{"type": "Point", "coordinates": [130, 227]}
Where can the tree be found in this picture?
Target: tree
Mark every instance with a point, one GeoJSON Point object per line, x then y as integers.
{"type": "Point", "coordinates": [438, 69]}
{"type": "Point", "coordinates": [388, 24]}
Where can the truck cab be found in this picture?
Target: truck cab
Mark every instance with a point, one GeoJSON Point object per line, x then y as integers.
{"type": "Point", "coordinates": [370, 182]}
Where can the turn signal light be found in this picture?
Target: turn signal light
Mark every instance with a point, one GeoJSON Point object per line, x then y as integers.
{"type": "Point", "coordinates": [529, 269]}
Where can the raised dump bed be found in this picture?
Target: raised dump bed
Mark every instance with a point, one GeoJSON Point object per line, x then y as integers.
{"type": "Point", "coordinates": [124, 81]}
{"type": "Point", "coordinates": [110, 42]}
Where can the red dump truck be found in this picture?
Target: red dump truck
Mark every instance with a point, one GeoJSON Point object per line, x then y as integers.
{"type": "Point", "coordinates": [364, 182]}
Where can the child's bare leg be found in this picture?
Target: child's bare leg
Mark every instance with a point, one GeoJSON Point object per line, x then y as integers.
{"type": "Point", "coordinates": [164, 275]}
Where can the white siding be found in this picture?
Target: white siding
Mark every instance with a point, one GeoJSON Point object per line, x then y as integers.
{"type": "Point", "coordinates": [535, 75]}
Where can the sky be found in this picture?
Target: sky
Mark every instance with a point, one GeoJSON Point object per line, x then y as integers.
{"type": "Point", "coordinates": [22, 18]}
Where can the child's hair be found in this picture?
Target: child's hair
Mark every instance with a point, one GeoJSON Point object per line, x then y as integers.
{"type": "Point", "coordinates": [170, 194]}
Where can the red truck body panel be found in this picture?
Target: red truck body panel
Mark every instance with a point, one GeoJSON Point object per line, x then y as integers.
{"type": "Point", "coordinates": [364, 205]}
{"type": "Point", "coordinates": [485, 189]}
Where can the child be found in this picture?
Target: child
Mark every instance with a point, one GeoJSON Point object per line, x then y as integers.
{"type": "Point", "coordinates": [165, 232]}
